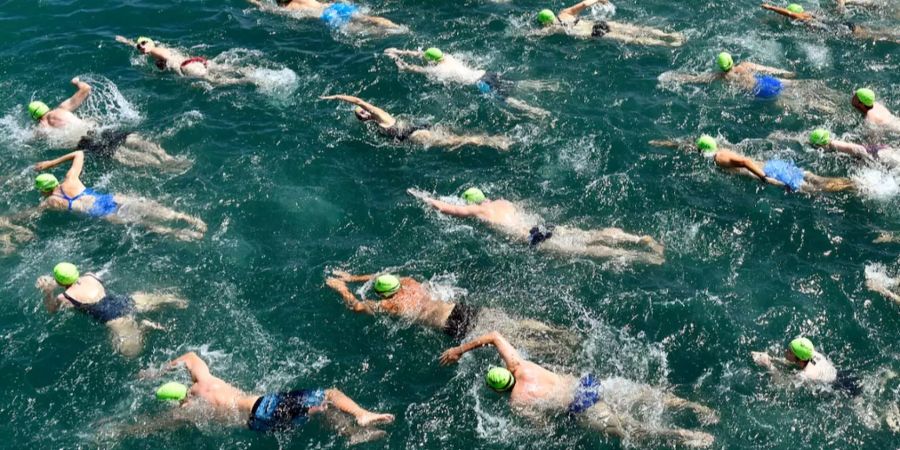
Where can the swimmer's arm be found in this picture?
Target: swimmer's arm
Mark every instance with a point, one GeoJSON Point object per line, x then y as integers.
{"type": "Point", "coordinates": [451, 209]}
{"type": "Point", "coordinates": [708, 77]}
{"type": "Point", "coordinates": [73, 102]}
{"type": "Point", "coordinates": [804, 16]}
{"type": "Point", "coordinates": [381, 115]}
{"type": "Point", "coordinates": [855, 150]}
{"type": "Point", "coordinates": [126, 41]}
{"type": "Point", "coordinates": [576, 9]}
{"type": "Point", "coordinates": [740, 161]}
{"type": "Point", "coordinates": [770, 70]}
{"type": "Point", "coordinates": [77, 158]}
{"type": "Point", "coordinates": [350, 278]}
{"type": "Point", "coordinates": [194, 365]}
{"type": "Point", "coordinates": [405, 66]}
{"type": "Point", "coordinates": [509, 354]}
{"type": "Point", "coordinates": [681, 144]}
{"type": "Point", "coordinates": [350, 300]}
{"type": "Point", "coordinates": [47, 285]}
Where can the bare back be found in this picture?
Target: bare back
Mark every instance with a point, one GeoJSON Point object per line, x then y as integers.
{"type": "Point", "coordinates": [86, 290]}
{"type": "Point", "coordinates": [311, 6]}
{"type": "Point", "coordinates": [415, 303]}
{"type": "Point", "coordinates": [540, 389]}
{"type": "Point", "coordinates": [882, 117]}
{"type": "Point", "coordinates": [222, 396]}
{"type": "Point", "coordinates": [506, 217]}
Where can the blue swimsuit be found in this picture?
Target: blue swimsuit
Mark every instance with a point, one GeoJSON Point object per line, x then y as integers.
{"type": "Point", "coordinates": [786, 172]}
{"type": "Point", "coordinates": [276, 412]}
{"type": "Point", "coordinates": [767, 86]}
{"type": "Point", "coordinates": [104, 204]}
{"type": "Point", "coordinates": [587, 394]}
{"type": "Point", "coordinates": [338, 14]}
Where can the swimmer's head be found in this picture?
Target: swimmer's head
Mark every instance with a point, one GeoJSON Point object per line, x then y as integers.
{"type": "Point", "coordinates": [473, 196]}
{"type": "Point", "coordinates": [45, 183]}
{"type": "Point", "coordinates": [66, 274]}
{"type": "Point", "coordinates": [144, 44]}
{"type": "Point", "coordinates": [545, 17]}
{"type": "Point", "coordinates": [707, 144]}
{"type": "Point", "coordinates": [37, 110]}
{"type": "Point", "coordinates": [433, 55]}
{"type": "Point", "coordinates": [820, 137]}
{"type": "Point", "coordinates": [362, 114]}
{"type": "Point", "coordinates": [725, 61]}
{"type": "Point", "coordinates": [387, 285]}
{"type": "Point", "coordinates": [863, 99]}
{"type": "Point", "coordinates": [500, 379]}
{"type": "Point", "coordinates": [802, 349]}
{"type": "Point", "coordinates": [794, 8]}
{"type": "Point", "coordinates": [172, 391]}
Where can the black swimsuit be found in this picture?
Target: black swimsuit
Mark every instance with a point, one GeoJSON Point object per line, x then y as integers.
{"type": "Point", "coordinates": [110, 307]}
{"type": "Point", "coordinates": [105, 143]}
{"type": "Point", "coordinates": [536, 235]}
{"type": "Point", "coordinates": [461, 321]}
{"type": "Point", "coordinates": [600, 29]}
{"type": "Point", "coordinates": [402, 132]}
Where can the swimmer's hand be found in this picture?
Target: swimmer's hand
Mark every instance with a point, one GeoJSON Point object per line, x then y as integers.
{"type": "Point", "coordinates": [43, 165]}
{"type": "Point", "coordinates": [125, 40]}
{"type": "Point", "coordinates": [45, 283]}
{"type": "Point", "coordinates": [152, 373]}
{"type": "Point", "coordinates": [336, 284]}
{"type": "Point", "coordinates": [762, 359]}
{"type": "Point", "coordinates": [421, 195]}
{"type": "Point", "coordinates": [342, 275]}
{"type": "Point", "coordinates": [451, 356]}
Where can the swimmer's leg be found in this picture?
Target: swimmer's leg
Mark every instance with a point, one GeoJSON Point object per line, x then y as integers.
{"type": "Point", "coordinates": [875, 286]}
{"type": "Point", "coordinates": [17, 234]}
{"type": "Point", "coordinates": [155, 211]}
{"type": "Point", "coordinates": [127, 336]}
{"type": "Point", "coordinates": [815, 183]}
{"type": "Point", "coordinates": [453, 141]}
{"type": "Point", "coordinates": [146, 301]}
{"type": "Point", "coordinates": [706, 414]}
{"type": "Point", "coordinates": [137, 144]}
{"type": "Point", "coordinates": [601, 417]}
{"type": "Point", "coordinates": [375, 20]}
{"type": "Point", "coordinates": [363, 417]}
{"type": "Point", "coordinates": [617, 236]}
{"type": "Point", "coordinates": [526, 108]}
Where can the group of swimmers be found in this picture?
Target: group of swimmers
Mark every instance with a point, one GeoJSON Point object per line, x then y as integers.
{"type": "Point", "coordinates": [531, 387]}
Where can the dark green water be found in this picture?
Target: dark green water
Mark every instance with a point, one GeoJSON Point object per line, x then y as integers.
{"type": "Point", "coordinates": [292, 186]}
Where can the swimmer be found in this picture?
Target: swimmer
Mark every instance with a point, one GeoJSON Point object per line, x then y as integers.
{"type": "Point", "coordinates": [535, 390]}
{"type": "Point", "coordinates": [796, 12]}
{"type": "Point", "coordinates": [875, 113]}
{"type": "Point", "coordinates": [567, 22]}
{"type": "Point", "coordinates": [210, 396]}
{"type": "Point", "coordinates": [814, 367]}
{"type": "Point", "coordinates": [749, 76]}
{"type": "Point", "coordinates": [183, 65]}
{"type": "Point", "coordinates": [446, 68]}
{"type": "Point", "coordinates": [87, 294]}
{"type": "Point", "coordinates": [884, 285]}
{"type": "Point", "coordinates": [71, 195]}
{"type": "Point", "coordinates": [883, 154]}
{"type": "Point", "coordinates": [776, 172]}
{"type": "Point", "coordinates": [335, 14]}
{"type": "Point", "coordinates": [513, 221]}
{"type": "Point", "coordinates": [424, 135]}
{"type": "Point", "coordinates": [125, 147]}
{"type": "Point", "coordinates": [11, 235]}
{"type": "Point", "coordinates": [407, 298]}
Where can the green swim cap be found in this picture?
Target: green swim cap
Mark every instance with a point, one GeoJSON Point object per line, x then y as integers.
{"type": "Point", "coordinates": [65, 273]}
{"type": "Point", "coordinates": [546, 17]}
{"type": "Point", "coordinates": [434, 55]}
{"type": "Point", "coordinates": [37, 110]}
{"type": "Point", "coordinates": [387, 285]}
{"type": "Point", "coordinates": [866, 96]}
{"type": "Point", "coordinates": [172, 391]}
{"type": "Point", "coordinates": [141, 40]}
{"type": "Point", "coordinates": [499, 379]}
{"type": "Point", "coordinates": [802, 348]}
{"type": "Point", "coordinates": [794, 8]}
{"type": "Point", "coordinates": [707, 144]}
{"type": "Point", "coordinates": [819, 137]}
{"type": "Point", "coordinates": [725, 61]}
{"type": "Point", "coordinates": [473, 196]}
{"type": "Point", "coordinates": [45, 182]}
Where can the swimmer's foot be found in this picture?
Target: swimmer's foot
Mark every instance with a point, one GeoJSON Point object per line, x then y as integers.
{"type": "Point", "coordinates": [369, 418]}
{"type": "Point", "coordinates": [652, 244]}
{"type": "Point", "coordinates": [706, 415]}
{"type": "Point", "coordinates": [696, 439]}
{"type": "Point", "coordinates": [366, 436]}
{"type": "Point", "coordinates": [188, 235]}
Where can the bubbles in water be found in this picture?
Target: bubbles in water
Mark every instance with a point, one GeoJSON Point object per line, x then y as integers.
{"type": "Point", "coordinates": [106, 105]}
{"type": "Point", "coordinates": [876, 183]}
{"type": "Point", "coordinates": [818, 55]}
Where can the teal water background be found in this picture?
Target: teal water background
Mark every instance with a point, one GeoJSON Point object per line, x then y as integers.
{"type": "Point", "coordinates": [292, 186]}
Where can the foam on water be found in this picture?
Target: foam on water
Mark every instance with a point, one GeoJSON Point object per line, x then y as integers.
{"type": "Point", "coordinates": [876, 183]}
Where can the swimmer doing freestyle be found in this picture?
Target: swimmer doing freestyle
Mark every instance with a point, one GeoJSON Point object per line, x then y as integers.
{"type": "Point", "coordinates": [538, 392]}
{"type": "Point", "coordinates": [408, 299]}
{"type": "Point", "coordinates": [813, 366]}
{"type": "Point", "coordinates": [71, 195]}
{"type": "Point", "coordinates": [883, 154]}
{"type": "Point", "coordinates": [876, 114]}
{"type": "Point", "coordinates": [125, 147]}
{"type": "Point", "coordinates": [198, 67]}
{"type": "Point", "coordinates": [87, 294]}
{"type": "Point", "coordinates": [211, 397]}
{"type": "Point", "coordinates": [424, 134]}
{"type": "Point", "coordinates": [447, 68]}
{"type": "Point", "coordinates": [796, 12]}
{"type": "Point", "coordinates": [567, 22]}
{"type": "Point", "coordinates": [336, 15]}
{"type": "Point", "coordinates": [510, 219]}
{"type": "Point", "coordinates": [775, 172]}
